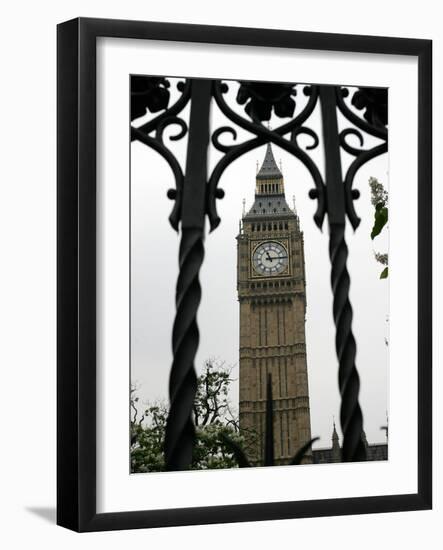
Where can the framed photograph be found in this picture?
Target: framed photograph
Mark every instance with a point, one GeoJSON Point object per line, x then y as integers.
{"type": "Point", "coordinates": [244, 274]}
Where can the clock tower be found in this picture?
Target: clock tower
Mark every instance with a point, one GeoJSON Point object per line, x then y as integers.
{"type": "Point", "coordinates": [272, 296]}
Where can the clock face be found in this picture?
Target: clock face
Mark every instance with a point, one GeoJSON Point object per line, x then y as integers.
{"type": "Point", "coordinates": [270, 258]}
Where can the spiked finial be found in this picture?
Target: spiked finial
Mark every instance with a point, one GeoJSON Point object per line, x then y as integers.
{"type": "Point", "coordinates": [334, 431]}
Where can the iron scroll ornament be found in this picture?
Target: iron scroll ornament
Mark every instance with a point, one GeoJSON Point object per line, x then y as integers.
{"type": "Point", "coordinates": [195, 198]}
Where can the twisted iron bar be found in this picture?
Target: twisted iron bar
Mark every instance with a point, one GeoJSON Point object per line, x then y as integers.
{"type": "Point", "coordinates": [351, 417]}
{"type": "Point", "coordinates": [180, 429]}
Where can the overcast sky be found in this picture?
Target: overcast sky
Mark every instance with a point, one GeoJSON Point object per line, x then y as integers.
{"type": "Point", "coordinates": [154, 269]}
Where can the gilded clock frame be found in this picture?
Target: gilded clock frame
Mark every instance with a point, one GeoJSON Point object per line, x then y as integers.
{"type": "Point", "coordinates": [255, 243]}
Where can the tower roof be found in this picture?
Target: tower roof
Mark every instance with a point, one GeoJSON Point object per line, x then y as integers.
{"type": "Point", "coordinates": [269, 169]}
{"type": "Point", "coordinates": [334, 434]}
{"type": "Point", "coordinates": [270, 207]}
{"type": "Point", "coordinates": [269, 200]}
{"type": "Point", "coordinates": [335, 440]}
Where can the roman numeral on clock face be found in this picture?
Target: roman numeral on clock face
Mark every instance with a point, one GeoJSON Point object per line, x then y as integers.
{"type": "Point", "coordinates": [270, 258]}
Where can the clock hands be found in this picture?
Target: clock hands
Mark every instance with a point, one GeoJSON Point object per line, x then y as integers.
{"type": "Point", "coordinates": [271, 259]}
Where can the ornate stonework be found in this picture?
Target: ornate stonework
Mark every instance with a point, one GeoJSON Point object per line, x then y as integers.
{"type": "Point", "coordinates": [272, 295]}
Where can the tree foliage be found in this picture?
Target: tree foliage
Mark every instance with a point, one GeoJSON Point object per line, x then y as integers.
{"type": "Point", "coordinates": [213, 417]}
{"type": "Point", "coordinates": [379, 199]}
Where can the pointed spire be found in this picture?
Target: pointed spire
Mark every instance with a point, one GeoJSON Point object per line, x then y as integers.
{"type": "Point", "coordinates": [334, 434]}
{"type": "Point", "coordinates": [269, 168]}
{"type": "Point", "coordinates": [336, 452]}
{"type": "Point", "coordinates": [270, 198]}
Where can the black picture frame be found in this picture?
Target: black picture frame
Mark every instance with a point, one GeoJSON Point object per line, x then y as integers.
{"type": "Point", "coordinates": [76, 281]}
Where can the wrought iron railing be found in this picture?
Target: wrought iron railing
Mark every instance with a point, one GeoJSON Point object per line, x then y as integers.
{"type": "Point", "coordinates": [268, 453]}
{"type": "Point", "coordinates": [196, 193]}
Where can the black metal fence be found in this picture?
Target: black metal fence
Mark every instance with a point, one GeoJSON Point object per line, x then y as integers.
{"type": "Point", "coordinates": [196, 193]}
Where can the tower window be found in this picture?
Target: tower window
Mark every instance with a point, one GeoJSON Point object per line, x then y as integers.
{"type": "Point", "coordinates": [286, 225]}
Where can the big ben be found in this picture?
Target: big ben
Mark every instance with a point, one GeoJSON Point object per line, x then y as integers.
{"type": "Point", "coordinates": [272, 301]}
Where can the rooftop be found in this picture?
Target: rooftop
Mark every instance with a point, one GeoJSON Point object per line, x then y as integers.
{"type": "Point", "coordinates": [270, 201]}
{"type": "Point", "coordinates": [269, 168]}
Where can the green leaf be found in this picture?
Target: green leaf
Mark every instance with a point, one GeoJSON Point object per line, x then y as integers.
{"type": "Point", "coordinates": [384, 273]}
{"type": "Point", "coordinates": [380, 220]}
